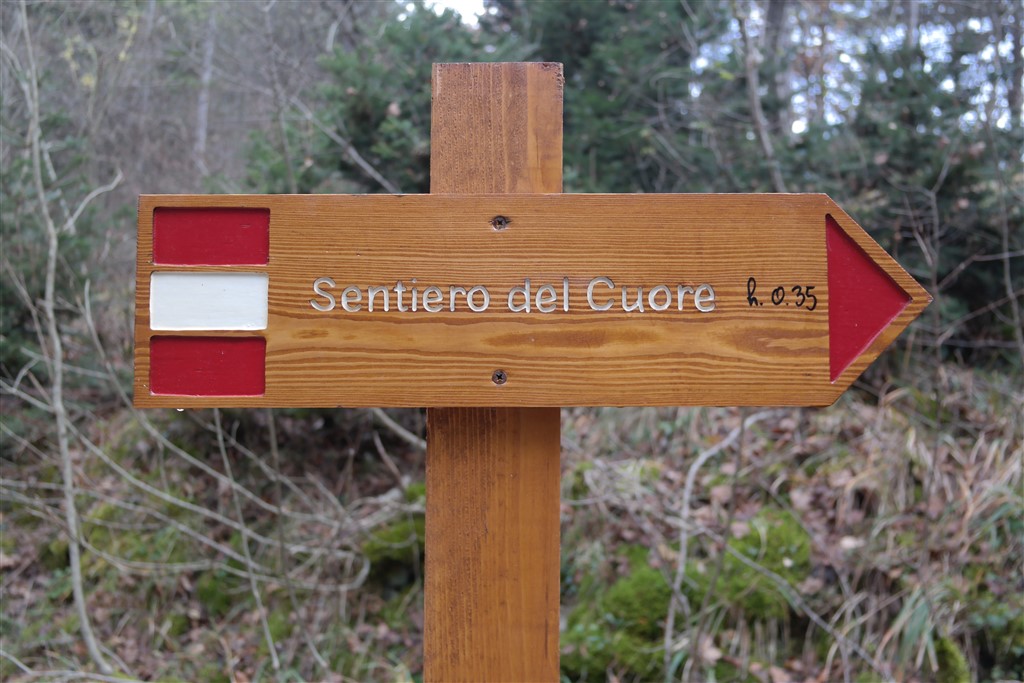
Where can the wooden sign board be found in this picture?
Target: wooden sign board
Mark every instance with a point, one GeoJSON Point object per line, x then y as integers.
{"type": "Point", "coordinates": [508, 300]}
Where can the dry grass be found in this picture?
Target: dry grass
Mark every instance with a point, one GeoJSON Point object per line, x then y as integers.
{"type": "Point", "coordinates": [909, 507]}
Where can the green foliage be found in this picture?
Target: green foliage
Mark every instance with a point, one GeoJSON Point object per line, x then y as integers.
{"type": "Point", "coordinates": [952, 663]}
{"type": "Point", "coordinates": [914, 165]}
{"type": "Point", "coordinates": [396, 552]}
{"type": "Point", "coordinates": [626, 65]}
{"type": "Point", "coordinates": [638, 602]}
{"type": "Point", "coordinates": [416, 492]}
{"type": "Point", "coordinates": [999, 624]}
{"type": "Point", "coordinates": [280, 626]}
{"type": "Point", "coordinates": [777, 542]}
{"type": "Point", "coordinates": [213, 594]}
{"type": "Point", "coordinates": [577, 486]}
{"type": "Point", "coordinates": [380, 105]}
{"type": "Point", "coordinates": [54, 555]}
{"type": "Point", "coordinates": [618, 627]}
{"type": "Point", "coordinates": [214, 673]}
{"type": "Point", "coordinates": [23, 235]}
{"type": "Point", "coordinates": [590, 649]}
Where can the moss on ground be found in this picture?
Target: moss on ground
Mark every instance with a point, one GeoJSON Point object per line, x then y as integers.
{"type": "Point", "coordinates": [952, 663]}
{"type": "Point", "coordinates": [577, 483]}
{"type": "Point", "coordinates": [777, 542]}
{"type": "Point", "coordinates": [213, 673]}
{"type": "Point", "coordinates": [416, 492]}
{"type": "Point", "coordinates": [638, 602]}
{"type": "Point", "coordinates": [396, 542]}
{"type": "Point", "coordinates": [212, 593]}
{"type": "Point", "coordinates": [395, 551]}
{"type": "Point", "coordinates": [8, 544]}
{"type": "Point", "coordinates": [178, 624]}
{"type": "Point", "coordinates": [999, 625]}
{"type": "Point", "coordinates": [619, 627]}
{"type": "Point", "coordinates": [54, 554]}
{"type": "Point", "coordinates": [280, 626]}
{"type": "Point", "coordinates": [591, 648]}
{"type": "Point", "coordinates": [727, 671]}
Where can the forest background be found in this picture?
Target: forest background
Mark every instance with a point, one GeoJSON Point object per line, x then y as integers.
{"type": "Point", "coordinates": [878, 539]}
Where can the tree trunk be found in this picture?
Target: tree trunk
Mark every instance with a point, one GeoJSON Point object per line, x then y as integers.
{"type": "Point", "coordinates": [203, 104]}
{"type": "Point", "coordinates": [1015, 96]}
{"type": "Point", "coordinates": [778, 77]}
{"type": "Point", "coordinates": [911, 7]}
{"type": "Point", "coordinates": [752, 60]}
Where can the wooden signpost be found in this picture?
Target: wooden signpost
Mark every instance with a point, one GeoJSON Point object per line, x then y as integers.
{"type": "Point", "coordinates": [575, 300]}
{"type": "Point", "coordinates": [493, 301]}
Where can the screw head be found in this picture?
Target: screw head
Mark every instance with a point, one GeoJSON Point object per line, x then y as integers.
{"type": "Point", "coordinates": [499, 377]}
{"type": "Point", "coordinates": [500, 222]}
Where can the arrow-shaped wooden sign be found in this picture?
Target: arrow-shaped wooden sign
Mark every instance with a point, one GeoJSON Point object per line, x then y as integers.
{"type": "Point", "coordinates": [508, 300]}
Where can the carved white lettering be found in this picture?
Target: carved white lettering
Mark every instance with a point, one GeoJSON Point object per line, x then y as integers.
{"type": "Point", "coordinates": [478, 308]}
{"type": "Point", "coordinates": [399, 290]}
{"type": "Point", "coordinates": [602, 295]}
{"type": "Point", "coordinates": [590, 293]}
{"type": "Point", "coordinates": [681, 290]}
{"type": "Point", "coordinates": [372, 292]}
{"type": "Point", "coordinates": [432, 297]}
{"type": "Point", "coordinates": [522, 290]}
{"type": "Point", "coordinates": [655, 293]}
{"type": "Point", "coordinates": [704, 298]}
{"type": "Point", "coordinates": [317, 289]}
{"type": "Point", "coordinates": [547, 298]}
{"type": "Point", "coordinates": [349, 295]}
{"type": "Point", "coordinates": [639, 305]}
{"type": "Point", "coordinates": [452, 291]}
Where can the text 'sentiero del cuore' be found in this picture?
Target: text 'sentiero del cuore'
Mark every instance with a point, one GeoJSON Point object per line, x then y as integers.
{"type": "Point", "coordinates": [602, 294]}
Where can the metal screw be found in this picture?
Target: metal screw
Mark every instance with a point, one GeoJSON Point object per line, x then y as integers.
{"type": "Point", "coordinates": [500, 222]}
{"type": "Point", "coordinates": [499, 377]}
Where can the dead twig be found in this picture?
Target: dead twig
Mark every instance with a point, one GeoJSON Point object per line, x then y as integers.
{"type": "Point", "coordinates": [260, 609]}
{"type": "Point", "coordinates": [398, 430]}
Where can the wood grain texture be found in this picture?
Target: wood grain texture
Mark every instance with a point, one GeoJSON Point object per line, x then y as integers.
{"type": "Point", "coordinates": [496, 128]}
{"type": "Point", "coordinates": [735, 355]}
{"type": "Point", "coordinates": [492, 534]}
{"type": "Point", "coordinates": [492, 545]}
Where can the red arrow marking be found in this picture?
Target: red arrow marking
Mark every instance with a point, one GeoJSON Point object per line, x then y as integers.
{"type": "Point", "coordinates": [863, 299]}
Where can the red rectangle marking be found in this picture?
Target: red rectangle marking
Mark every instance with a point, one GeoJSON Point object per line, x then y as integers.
{"type": "Point", "coordinates": [208, 366]}
{"type": "Point", "coordinates": [211, 237]}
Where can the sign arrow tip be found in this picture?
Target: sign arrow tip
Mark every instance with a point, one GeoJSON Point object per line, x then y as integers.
{"type": "Point", "coordinates": [871, 299]}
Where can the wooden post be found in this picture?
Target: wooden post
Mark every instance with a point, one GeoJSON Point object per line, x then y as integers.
{"type": "Point", "coordinates": [492, 524]}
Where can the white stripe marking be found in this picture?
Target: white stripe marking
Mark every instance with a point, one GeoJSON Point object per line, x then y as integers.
{"type": "Point", "coordinates": [208, 301]}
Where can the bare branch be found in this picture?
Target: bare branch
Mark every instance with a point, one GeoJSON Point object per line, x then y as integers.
{"type": "Point", "coordinates": [752, 61]}
{"type": "Point", "coordinates": [399, 431]}
{"type": "Point", "coordinates": [56, 353]}
{"type": "Point", "coordinates": [346, 147]}
{"type": "Point", "coordinates": [254, 589]}
{"type": "Point", "coordinates": [69, 226]}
